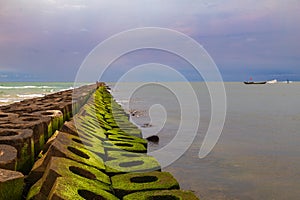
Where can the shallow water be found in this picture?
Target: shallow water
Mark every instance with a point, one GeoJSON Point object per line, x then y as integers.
{"type": "Point", "coordinates": [11, 92]}
{"type": "Point", "coordinates": [257, 155]}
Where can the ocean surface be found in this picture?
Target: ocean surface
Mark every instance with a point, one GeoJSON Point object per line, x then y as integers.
{"type": "Point", "coordinates": [258, 153]}
{"type": "Point", "coordinates": [11, 92]}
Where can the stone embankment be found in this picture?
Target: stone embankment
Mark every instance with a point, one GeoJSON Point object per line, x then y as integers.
{"type": "Point", "coordinates": [50, 151]}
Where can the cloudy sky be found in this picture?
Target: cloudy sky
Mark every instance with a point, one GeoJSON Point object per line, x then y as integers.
{"type": "Point", "coordinates": [49, 39]}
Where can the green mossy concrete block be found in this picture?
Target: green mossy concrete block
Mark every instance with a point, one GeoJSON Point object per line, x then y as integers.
{"type": "Point", "coordinates": [37, 126]}
{"type": "Point", "coordinates": [22, 140]}
{"type": "Point", "coordinates": [75, 152]}
{"type": "Point", "coordinates": [124, 184]}
{"type": "Point", "coordinates": [56, 116]}
{"type": "Point", "coordinates": [92, 144]}
{"type": "Point", "coordinates": [127, 164]}
{"type": "Point", "coordinates": [86, 126]}
{"type": "Point", "coordinates": [111, 155]}
{"type": "Point", "coordinates": [11, 185]}
{"type": "Point", "coordinates": [127, 146]}
{"type": "Point", "coordinates": [68, 168]}
{"type": "Point", "coordinates": [162, 195]}
{"type": "Point", "coordinates": [35, 192]}
{"type": "Point", "coordinates": [75, 172]}
{"type": "Point", "coordinates": [128, 138]}
{"type": "Point", "coordinates": [68, 189]}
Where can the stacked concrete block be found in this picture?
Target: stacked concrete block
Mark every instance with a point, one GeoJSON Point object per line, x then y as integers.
{"type": "Point", "coordinates": [26, 126]}
{"type": "Point", "coordinates": [96, 154]}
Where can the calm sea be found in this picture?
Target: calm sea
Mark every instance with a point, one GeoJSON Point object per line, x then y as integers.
{"type": "Point", "coordinates": [257, 155]}
{"type": "Point", "coordinates": [11, 92]}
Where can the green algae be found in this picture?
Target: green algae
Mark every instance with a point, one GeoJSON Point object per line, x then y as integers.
{"type": "Point", "coordinates": [126, 146]}
{"type": "Point", "coordinates": [133, 182]}
{"type": "Point", "coordinates": [162, 195]}
{"type": "Point", "coordinates": [126, 164]}
{"type": "Point", "coordinates": [67, 189]}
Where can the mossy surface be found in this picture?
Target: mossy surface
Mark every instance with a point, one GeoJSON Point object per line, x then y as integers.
{"type": "Point", "coordinates": [111, 155]}
{"type": "Point", "coordinates": [127, 146]}
{"type": "Point", "coordinates": [11, 185]}
{"type": "Point", "coordinates": [127, 138]}
{"type": "Point", "coordinates": [77, 153]}
{"type": "Point", "coordinates": [68, 189]}
{"type": "Point", "coordinates": [132, 164]}
{"type": "Point", "coordinates": [69, 168]}
{"type": "Point", "coordinates": [133, 182]}
{"type": "Point", "coordinates": [162, 195]}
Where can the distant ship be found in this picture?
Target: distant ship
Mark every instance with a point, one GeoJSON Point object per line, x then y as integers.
{"type": "Point", "coordinates": [255, 82]}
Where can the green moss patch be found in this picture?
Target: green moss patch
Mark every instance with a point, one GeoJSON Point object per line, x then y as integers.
{"type": "Point", "coordinates": [132, 164]}
{"type": "Point", "coordinates": [162, 195]}
{"type": "Point", "coordinates": [128, 138]}
{"type": "Point", "coordinates": [127, 146]}
{"type": "Point", "coordinates": [62, 167]}
{"type": "Point", "coordinates": [133, 182]}
{"type": "Point", "coordinates": [11, 184]}
{"type": "Point", "coordinates": [68, 189]}
{"type": "Point", "coordinates": [75, 152]}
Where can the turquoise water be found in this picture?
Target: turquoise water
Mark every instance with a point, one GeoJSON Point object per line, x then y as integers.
{"type": "Point", "coordinates": [11, 92]}
{"type": "Point", "coordinates": [257, 155]}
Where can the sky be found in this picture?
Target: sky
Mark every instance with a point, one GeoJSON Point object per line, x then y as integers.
{"type": "Point", "coordinates": [48, 40]}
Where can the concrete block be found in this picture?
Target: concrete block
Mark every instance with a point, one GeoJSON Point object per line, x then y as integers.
{"type": "Point", "coordinates": [23, 141]}
{"type": "Point", "coordinates": [124, 184]}
{"type": "Point", "coordinates": [162, 195]}
{"type": "Point", "coordinates": [73, 171]}
{"type": "Point", "coordinates": [36, 124]}
{"type": "Point", "coordinates": [127, 138]}
{"type": "Point", "coordinates": [126, 146]}
{"type": "Point", "coordinates": [8, 157]}
{"type": "Point", "coordinates": [127, 164]}
{"type": "Point", "coordinates": [11, 184]}
{"type": "Point", "coordinates": [68, 189]}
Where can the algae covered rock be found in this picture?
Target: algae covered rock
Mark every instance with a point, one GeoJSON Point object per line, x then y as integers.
{"type": "Point", "coordinates": [11, 184]}
{"type": "Point", "coordinates": [127, 164]}
{"type": "Point", "coordinates": [124, 184]}
{"type": "Point", "coordinates": [162, 195]}
{"type": "Point", "coordinates": [67, 189]}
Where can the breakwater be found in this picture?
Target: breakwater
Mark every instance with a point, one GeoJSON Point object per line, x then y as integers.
{"type": "Point", "coordinates": [49, 151]}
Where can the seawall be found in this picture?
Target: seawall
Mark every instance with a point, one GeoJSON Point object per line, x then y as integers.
{"type": "Point", "coordinates": [50, 151]}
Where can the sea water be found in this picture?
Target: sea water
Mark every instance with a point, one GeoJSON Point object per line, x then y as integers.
{"type": "Point", "coordinates": [11, 92]}
{"type": "Point", "coordinates": [257, 155]}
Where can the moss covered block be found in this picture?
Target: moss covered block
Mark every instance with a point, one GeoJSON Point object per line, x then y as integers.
{"type": "Point", "coordinates": [56, 117]}
{"type": "Point", "coordinates": [86, 126]}
{"type": "Point", "coordinates": [8, 157]}
{"type": "Point", "coordinates": [132, 131]}
{"type": "Point", "coordinates": [68, 189]}
{"type": "Point", "coordinates": [23, 141]}
{"type": "Point", "coordinates": [92, 144]}
{"type": "Point", "coordinates": [124, 184]}
{"type": "Point", "coordinates": [162, 195]}
{"type": "Point", "coordinates": [125, 164]}
{"type": "Point", "coordinates": [112, 155]}
{"type": "Point", "coordinates": [74, 171]}
{"type": "Point", "coordinates": [11, 184]}
{"type": "Point", "coordinates": [37, 125]}
{"type": "Point", "coordinates": [72, 151]}
{"type": "Point", "coordinates": [128, 138]}
{"type": "Point", "coordinates": [35, 192]}
{"type": "Point", "coordinates": [127, 146]}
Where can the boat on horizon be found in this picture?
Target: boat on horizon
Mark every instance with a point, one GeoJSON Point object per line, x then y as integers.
{"type": "Point", "coordinates": [255, 82]}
